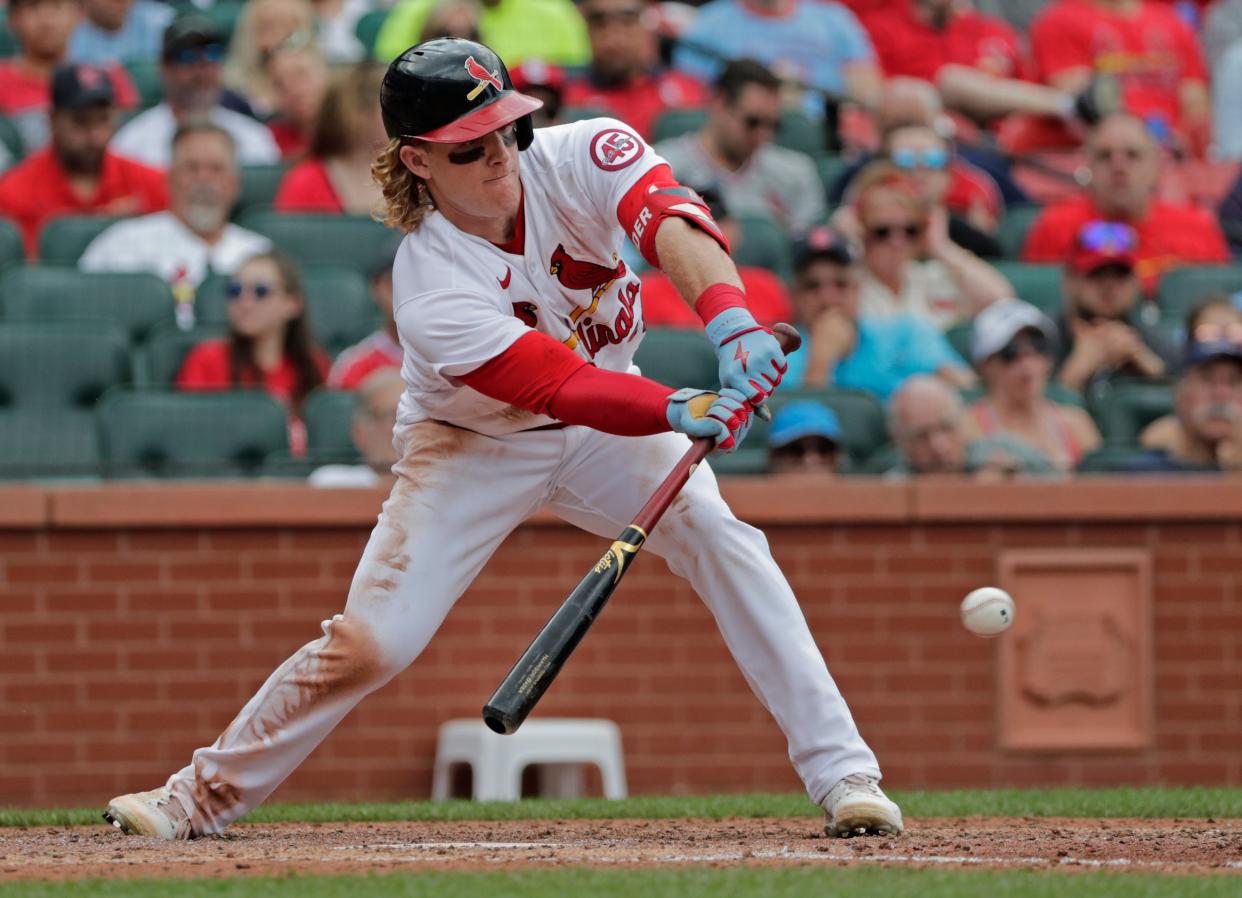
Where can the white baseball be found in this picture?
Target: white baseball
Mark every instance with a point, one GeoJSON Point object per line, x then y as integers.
{"type": "Point", "coordinates": [988, 611]}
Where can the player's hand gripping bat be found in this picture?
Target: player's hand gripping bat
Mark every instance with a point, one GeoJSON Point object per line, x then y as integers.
{"type": "Point", "coordinates": [534, 672]}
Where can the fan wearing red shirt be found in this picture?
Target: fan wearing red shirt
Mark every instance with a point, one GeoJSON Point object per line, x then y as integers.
{"type": "Point", "coordinates": [382, 349]}
{"type": "Point", "coordinates": [299, 78]}
{"type": "Point", "coordinates": [77, 175]}
{"type": "Point", "coordinates": [335, 178]}
{"type": "Point", "coordinates": [1124, 161]}
{"type": "Point", "coordinates": [1150, 49]}
{"type": "Point", "coordinates": [625, 79]}
{"type": "Point", "coordinates": [269, 342]}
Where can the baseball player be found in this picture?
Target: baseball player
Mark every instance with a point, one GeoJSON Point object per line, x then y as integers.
{"type": "Point", "coordinates": [519, 322]}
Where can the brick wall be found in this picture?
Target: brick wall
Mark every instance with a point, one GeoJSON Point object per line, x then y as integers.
{"type": "Point", "coordinates": [137, 620]}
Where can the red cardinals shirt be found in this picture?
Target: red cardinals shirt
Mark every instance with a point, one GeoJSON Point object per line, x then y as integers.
{"type": "Point", "coordinates": [1151, 53]}
{"type": "Point", "coordinates": [460, 301]}
{"type": "Point", "coordinates": [25, 97]}
{"type": "Point", "coordinates": [663, 306]}
{"type": "Point", "coordinates": [641, 101]}
{"type": "Point", "coordinates": [37, 190]}
{"type": "Point", "coordinates": [1170, 235]}
{"type": "Point", "coordinates": [307, 188]}
{"type": "Point", "coordinates": [360, 361]}
{"type": "Point", "coordinates": [907, 46]}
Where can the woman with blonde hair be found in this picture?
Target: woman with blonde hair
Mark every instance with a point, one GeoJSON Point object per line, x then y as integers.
{"type": "Point", "coordinates": [335, 177]}
{"type": "Point", "coordinates": [264, 27]}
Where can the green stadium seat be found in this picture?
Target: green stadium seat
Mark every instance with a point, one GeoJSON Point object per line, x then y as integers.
{"type": "Point", "coordinates": [830, 169]}
{"type": "Point", "coordinates": [1014, 227]}
{"type": "Point", "coordinates": [8, 44]}
{"type": "Point", "coordinates": [165, 434]}
{"type": "Point", "coordinates": [40, 444]}
{"type": "Point", "coordinates": [352, 241]}
{"type": "Point", "coordinates": [763, 243]}
{"type": "Point", "coordinates": [225, 14]}
{"type": "Point", "coordinates": [959, 337]}
{"type": "Point", "coordinates": [339, 303]}
{"type": "Point", "coordinates": [11, 140]}
{"type": "Point", "coordinates": [137, 302]}
{"type": "Point", "coordinates": [1181, 289]}
{"type": "Point", "coordinates": [1128, 407]}
{"type": "Point", "coordinates": [159, 359]}
{"type": "Point", "coordinates": [63, 239]}
{"type": "Point", "coordinates": [864, 428]}
{"type": "Point", "coordinates": [12, 251]}
{"type": "Point", "coordinates": [676, 122]}
{"type": "Point", "coordinates": [579, 113]}
{"type": "Point", "coordinates": [367, 28]}
{"type": "Point", "coordinates": [259, 184]}
{"type": "Point", "coordinates": [145, 75]}
{"type": "Point", "coordinates": [678, 358]}
{"type": "Point", "coordinates": [798, 131]}
{"type": "Point", "coordinates": [1109, 460]}
{"type": "Point", "coordinates": [60, 366]}
{"type": "Point", "coordinates": [328, 415]}
{"type": "Point", "coordinates": [1040, 285]}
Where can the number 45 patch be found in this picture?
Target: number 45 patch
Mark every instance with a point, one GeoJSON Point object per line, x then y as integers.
{"type": "Point", "coordinates": [613, 149]}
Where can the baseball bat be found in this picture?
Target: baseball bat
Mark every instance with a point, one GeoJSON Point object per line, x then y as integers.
{"type": "Point", "coordinates": [534, 672]}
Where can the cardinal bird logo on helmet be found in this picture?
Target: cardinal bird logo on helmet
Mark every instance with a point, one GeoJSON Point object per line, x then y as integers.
{"type": "Point", "coordinates": [480, 74]}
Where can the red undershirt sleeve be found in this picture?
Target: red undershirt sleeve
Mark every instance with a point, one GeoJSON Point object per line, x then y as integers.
{"type": "Point", "coordinates": [540, 375]}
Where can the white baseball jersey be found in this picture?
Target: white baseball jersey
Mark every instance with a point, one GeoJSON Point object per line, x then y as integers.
{"type": "Point", "coordinates": [460, 300]}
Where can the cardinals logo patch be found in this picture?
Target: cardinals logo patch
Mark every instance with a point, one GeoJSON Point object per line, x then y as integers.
{"type": "Point", "coordinates": [527, 313]}
{"type": "Point", "coordinates": [482, 76]}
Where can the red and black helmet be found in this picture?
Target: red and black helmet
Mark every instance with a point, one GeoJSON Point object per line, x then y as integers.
{"type": "Point", "coordinates": [451, 90]}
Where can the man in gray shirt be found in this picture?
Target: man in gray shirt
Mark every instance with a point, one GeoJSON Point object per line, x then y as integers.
{"type": "Point", "coordinates": [734, 150]}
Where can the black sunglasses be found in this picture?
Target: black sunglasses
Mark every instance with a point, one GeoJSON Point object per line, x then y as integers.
{"type": "Point", "coordinates": [885, 232]}
{"type": "Point", "coordinates": [1022, 344]}
{"type": "Point", "coordinates": [191, 55]}
{"type": "Point", "coordinates": [258, 291]}
{"type": "Point", "coordinates": [841, 283]}
{"type": "Point", "coordinates": [760, 123]}
{"type": "Point", "coordinates": [508, 137]}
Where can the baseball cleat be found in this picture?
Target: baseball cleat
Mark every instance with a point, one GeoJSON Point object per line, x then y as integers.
{"type": "Point", "coordinates": [857, 806]}
{"type": "Point", "coordinates": [155, 813]}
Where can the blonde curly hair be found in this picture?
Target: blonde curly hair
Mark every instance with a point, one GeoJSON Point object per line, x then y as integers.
{"type": "Point", "coordinates": [407, 201]}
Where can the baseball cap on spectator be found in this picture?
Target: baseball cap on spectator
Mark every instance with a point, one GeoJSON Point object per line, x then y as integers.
{"type": "Point", "coordinates": [191, 37]}
{"type": "Point", "coordinates": [1210, 342]}
{"type": "Point", "coordinates": [537, 73]}
{"type": "Point", "coordinates": [1103, 244]}
{"type": "Point", "coordinates": [799, 420]}
{"type": "Point", "coordinates": [997, 325]}
{"type": "Point", "coordinates": [80, 86]}
{"type": "Point", "coordinates": [826, 244]}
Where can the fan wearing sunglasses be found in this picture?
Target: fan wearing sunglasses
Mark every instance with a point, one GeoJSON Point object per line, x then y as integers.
{"type": "Point", "coordinates": [1101, 332]}
{"type": "Point", "coordinates": [1012, 346]}
{"type": "Point", "coordinates": [910, 266]}
{"type": "Point", "coordinates": [269, 343]}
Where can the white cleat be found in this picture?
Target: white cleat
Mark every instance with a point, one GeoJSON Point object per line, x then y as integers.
{"type": "Point", "coordinates": [155, 813]}
{"type": "Point", "coordinates": [857, 806]}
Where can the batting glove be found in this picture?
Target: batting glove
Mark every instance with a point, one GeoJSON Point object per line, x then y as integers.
{"type": "Point", "coordinates": [723, 416]}
{"type": "Point", "coordinates": [750, 358]}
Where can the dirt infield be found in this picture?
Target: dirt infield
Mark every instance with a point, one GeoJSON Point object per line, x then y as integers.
{"type": "Point", "coordinates": [1171, 846]}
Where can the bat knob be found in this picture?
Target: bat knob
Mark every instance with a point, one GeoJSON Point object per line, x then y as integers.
{"type": "Point", "coordinates": [499, 722]}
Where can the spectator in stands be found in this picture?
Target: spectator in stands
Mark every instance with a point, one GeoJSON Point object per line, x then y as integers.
{"type": "Point", "coordinates": [928, 425]}
{"type": "Point", "coordinates": [1230, 215]}
{"type": "Point", "coordinates": [119, 31]}
{"type": "Point", "coordinates": [551, 30]}
{"type": "Point", "coordinates": [375, 415]}
{"type": "Point", "coordinates": [1012, 346]}
{"type": "Point", "coordinates": [381, 349]}
{"type": "Point", "coordinates": [1101, 332]}
{"type": "Point", "coordinates": [1227, 103]}
{"type": "Point", "coordinates": [335, 178]}
{"type": "Point", "coordinates": [543, 81]}
{"type": "Point", "coordinates": [78, 174]}
{"type": "Point", "coordinates": [625, 77]}
{"type": "Point", "coordinates": [766, 296]}
{"type": "Point", "coordinates": [450, 18]}
{"type": "Point", "coordinates": [269, 342]}
{"type": "Point", "coordinates": [734, 148]}
{"type": "Point", "coordinates": [299, 79]}
{"type": "Point", "coordinates": [337, 25]}
{"type": "Point", "coordinates": [911, 266]}
{"type": "Point", "coordinates": [1222, 28]}
{"type": "Point", "coordinates": [1149, 48]}
{"type": "Point", "coordinates": [190, 72]}
{"type": "Point", "coordinates": [194, 237]}
{"type": "Point", "coordinates": [841, 345]}
{"type": "Point", "coordinates": [805, 438]}
{"type": "Point", "coordinates": [1018, 13]}
{"type": "Point", "coordinates": [264, 27]}
{"type": "Point", "coordinates": [1124, 162]}
{"type": "Point", "coordinates": [817, 44]}
{"type": "Point", "coordinates": [41, 29]}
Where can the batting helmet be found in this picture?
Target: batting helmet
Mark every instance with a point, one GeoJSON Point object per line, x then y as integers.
{"type": "Point", "coordinates": [451, 90]}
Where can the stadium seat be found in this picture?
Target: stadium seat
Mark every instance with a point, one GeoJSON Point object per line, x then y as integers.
{"type": "Point", "coordinates": [60, 366]}
{"type": "Point", "coordinates": [367, 28]}
{"type": "Point", "coordinates": [959, 337]}
{"type": "Point", "coordinates": [678, 358]}
{"type": "Point", "coordinates": [1181, 289]}
{"type": "Point", "coordinates": [159, 359]}
{"type": "Point", "coordinates": [1125, 408]}
{"type": "Point", "coordinates": [763, 243]}
{"type": "Point", "coordinates": [799, 132]}
{"type": "Point", "coordinates": [12, 252]}
{"type": "Point", "coordinates": [1013, 229]}
{"type": "Point", "coordinates": [11, 140]}
{"type": "Point", "coordinates": [1040, 285]}
{"type": "Point", "coordinates": [349, 240]}
{"type": "Point", "coordinates": [64, 239]}
{"type": "Point", "coordinates": [225, 14]}
{"type": "Point", "coordinates": [38, 443]}
{"type": "Point", "coordinates": [676, 122]}
{"type": "Point", "coordinates": [340, 306]}
{"type": "Point", "coordinates": [830, 169]}
{"type": "Point", "coordinates": [145, 75]}
{"type": "Point", "coordinates": [864, 429]}
{"type": "Point", "coordinates": [259, 184]}
{"type": "Point", "coordinates": [137, 302]}
{"type": "Point", "coordinates": [579, 113]}
{"type": "Point", "coordinates": [165, 434]}
{"type": "Point", "coordinates": [8, 44]}
{"type": "Point", "coordinates": [328, 415]}
{"type": "Point", "coordinates": [1109, 460]}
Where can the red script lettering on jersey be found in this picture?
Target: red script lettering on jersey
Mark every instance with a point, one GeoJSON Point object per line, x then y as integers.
{"type": "Point", "coordinates": [594, 337]}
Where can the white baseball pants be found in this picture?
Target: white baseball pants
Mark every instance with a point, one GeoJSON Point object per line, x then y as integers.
{"type": "Point", "coordinates": [458, 495]}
